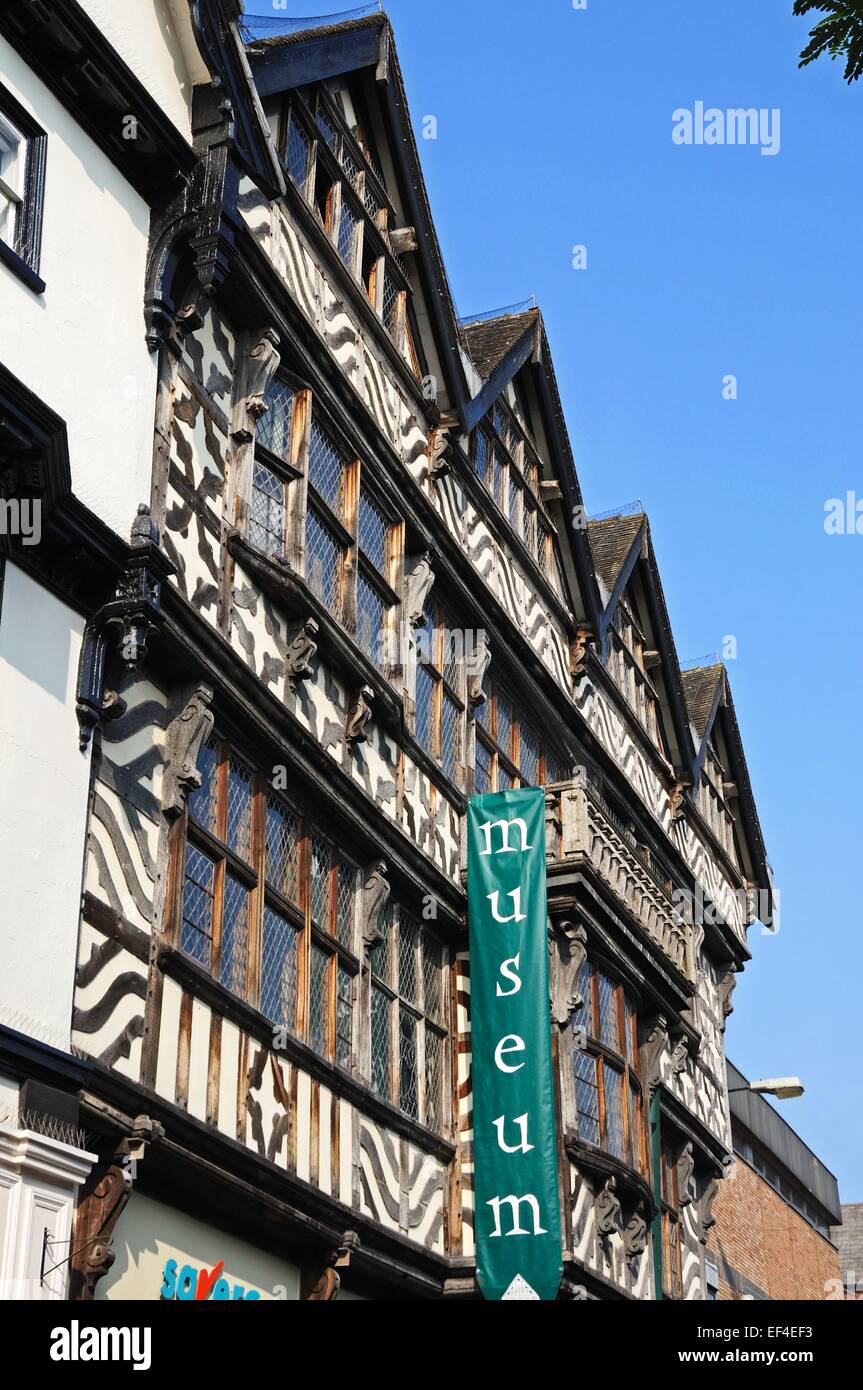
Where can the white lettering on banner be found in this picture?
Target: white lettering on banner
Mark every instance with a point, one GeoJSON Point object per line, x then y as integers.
{"type": "Point", "coordinates": [509, 975]}
{"type": "Point", "coordinates": [511, 1043]}
{"type": "Point", "coordinates": [517, 915]}
{"type": "Point", "coordinates": [515, 1211]}
{"type": "Point", "coordinates": [524, 1147]}
{"type": "Point", "coordinates": [504, 826]}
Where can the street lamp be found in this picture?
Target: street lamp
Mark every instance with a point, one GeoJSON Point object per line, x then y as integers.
{"type": "Point", "coordinates": [780, 1087]}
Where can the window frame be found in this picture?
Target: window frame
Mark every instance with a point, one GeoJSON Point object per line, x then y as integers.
{"type": "Point", "coordinates": [432, 660]}
{"type": "Point", "coordinates": [23, 254]}
{"type": "Point", "coordinates": [623, 1059]}
{"type": "Point", "coordinates": [341, 950]}
{"type": "Point", "coordinates": [508, 759]}
{"type": "Point", "coordinates": [389, 986]}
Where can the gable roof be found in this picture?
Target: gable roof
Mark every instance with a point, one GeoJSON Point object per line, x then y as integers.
{"type": "Point", "coordinates": [611, 540]}
{"type": "Point", "coordinates": [700, 685]}
{"type": "Point", "coordinates": [488, 340]}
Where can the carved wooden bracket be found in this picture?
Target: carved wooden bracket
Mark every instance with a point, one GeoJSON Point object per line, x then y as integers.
{"type": "Point", "coordinates": [186, 736]}
{"type": "Point", "coordinates": [326, 1287]}
{"type": "Point", "coordinates": [676, 801]}
{"type": "Point", "coordinates": [127, 621]}
{"type": "Point", "coordinates": [103, 1199]}
{"type": "Point", "coordinates": [608, 1209]}
{"type": "Point", "coordinates": [578, 651]}
{"type": "Point", "coordinates": [376, 892]}
{"type": "Point", "coordinates": [358, 717]}
{"type": "Point", "coordinates": [258, 366]}
{"type": "Point", "coordinates": [567, 945]}
{"type": "Point", "coordinates": [651, 1054]}
{"type": "Point", "coordinates": [440, 462]}
{"type": "Point", "coordinates": [686, 1176]}
{"type": "Point", "coordinates": [301, 647]}
{"type": "Point", "coordinates": [419, 582]}
{"type": "Point", "coordinates": [476, 666]}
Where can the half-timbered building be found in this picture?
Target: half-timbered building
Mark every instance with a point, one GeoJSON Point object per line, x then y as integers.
{"type": "Point", "coordinates": [359, 589]}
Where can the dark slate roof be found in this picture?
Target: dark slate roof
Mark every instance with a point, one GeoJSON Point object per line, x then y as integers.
{"type": "Point", "coordinates": [489, 340]}
{"type": "Point", "coordinates": [699, 689]}
{"type": "Point", "coordinates": [611, 541]}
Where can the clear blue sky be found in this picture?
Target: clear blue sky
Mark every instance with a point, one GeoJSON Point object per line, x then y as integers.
{"type": "Point", "coordinates": [554, 129]}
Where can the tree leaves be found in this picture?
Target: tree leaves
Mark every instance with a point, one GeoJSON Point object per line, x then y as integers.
{"type": "Point", "coordinates": [839, 34]}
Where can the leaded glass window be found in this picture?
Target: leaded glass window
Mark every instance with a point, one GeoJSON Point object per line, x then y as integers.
{"type": "Point", "coordinates": [509, 749]}
{"type": "Point", "coordinates": [440, 690]}
{"type": "Point", "coordinates": [604, 1040]}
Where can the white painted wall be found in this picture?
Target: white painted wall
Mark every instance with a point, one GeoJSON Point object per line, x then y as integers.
{"type": "Point", "coordinates": [39, 1181]}
{"type": "Point", "coordinates": [149, 1233]}
{"type": "Point", "coordinates": [153, 37]}
{"type": "Point", "coordinates": [43, 809]}
{"type": "Point", "coordinates": [80, 345]}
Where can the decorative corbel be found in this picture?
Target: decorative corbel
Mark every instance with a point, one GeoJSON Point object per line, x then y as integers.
{"type": "Point", "coordinates": [103, 1199]}
{"type": "Point", "coordinates": [567, 944]}
{"type": "Point", "coordinates": [706, 1219]}
{"type": "Point", "coordinates": [440, 461]}
{"type": "Point", "coordinates": [186, 737]}
{"type": "Point", "coordinates": [419, 582]}
{"type": "Point", "coordinates": [375, 896]}
{"type": "Point", "coordinates": [476, 666]}
{"type": "Point", "coordinates": [608, 1210]}
{"type": "Point", "coordinates": [301, 647]}
{"type": "Point", "coordinates": [326, 1287]}
{"type": "Point", "coordinates": [258, 366]}
{"type": "Point", "coordinates": [553, 825]}
{"type": "Point", "coordinates": [680, 1056]}
{"type": "Point", "coordinates": [128, 621]}
{"type": "Point", "coordinates": [578, 651]}
{"type": "Point", "coordinates": [358, 717]}
{"type": "Point", "coordinates": [727, 986]}
{"type": "Point", "coordinates": [651, 1054]}
{"type": "Point", "coordinates": [403, 239]}
{"type": "Point", "coordinates": [635, 1235]}
{"type": "Point", "coordinates": [676, 800]}
{"type": "Point", "coordinates": [686, 1176]}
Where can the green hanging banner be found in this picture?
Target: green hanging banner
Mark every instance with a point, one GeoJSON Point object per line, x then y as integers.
{"type": "Point", "coordinates": [517, 1213]}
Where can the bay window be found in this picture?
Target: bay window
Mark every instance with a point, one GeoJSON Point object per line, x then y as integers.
{"type": "Point", "coordinates": [605, 1061]}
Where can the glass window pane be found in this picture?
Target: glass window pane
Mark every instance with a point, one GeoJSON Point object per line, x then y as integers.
{"type": "Point", "coordinates": [614, 1127]}
{"type": "Point", "coordinates": [319, 1002]}
{"type": "Point", "coordinates": [528, 756]}
{"type": "Point", "coordinates": [279, 969]}
{"type": "Point", "coordinates": [370, 619]}
{"type": "Point", "coordinates": [636, 1126]}
{"type": "Point", "coordinates": [323, 561]}
{"type": "Point", "coordinates": [196, 933]}
{"type": "Point", "coordinates": [381, 954]}
{"type": "Point", "coordinates": [372, 531]}
{"type": "Point", "coordinates": [432, 957]}
{"type": "Point", "coordinates": [586, 1096]}
{"type": "Point", "coordinates": [433, 1078]}
{"type": "Point", "coordinates": [450, 736]}
{"type": "Point", "coordinates": [346, 898]}
{"type": "Point", "coordinates": [234, 944]}
{"type": "Point", "coordinates": [408, 938]}
{"type": "Point", "coordinates": [504, 723]}
{"type": "Point", "coordinates": [202, 801]}
{"type": "Point", "coordinates": [631, 1032]}
{"type": "Point", "coordinates": [267, 517]}
{"type": "Point", "coordinates": [347, 231]}
{"type": "Point", "coordinates": [482, 776]}
{"type": "Point", "coordinates": [274, 426]}
{"type": "Point", "coordinates": [480, 460]}
{"type": "Point", "coordinates": [425, 709]}
{"type": "Point", "coordinates": [344, 996]}
{"type": "Point", "coordinates": [609, 1031]}
{"type": "Point", "coordinates": [408, 1082]}
{"type": "Point", "coordinates": [320, 881]}
{"type": "Point", "coordinates": [325, 467]}
{"type": "Point", "coordinates": [283, 849]}
{"type": "Point", "coordinates": [381, 1005]}
{"type": "Point", "coordinates": [240, 809]}
{"type": "Point", "coordinates": [297, 154]}
{"type": "Point", "coordinates": [328, 131]}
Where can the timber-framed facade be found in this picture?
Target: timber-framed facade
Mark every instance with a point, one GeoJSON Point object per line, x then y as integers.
{"type": "Point", "coordinates": [361, 589]}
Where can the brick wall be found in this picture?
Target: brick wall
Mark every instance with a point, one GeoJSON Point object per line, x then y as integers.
{"type": "Point", "coordinates": [763, 1246]}
{"type": "Point", "coordinates": [849, 1238]}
